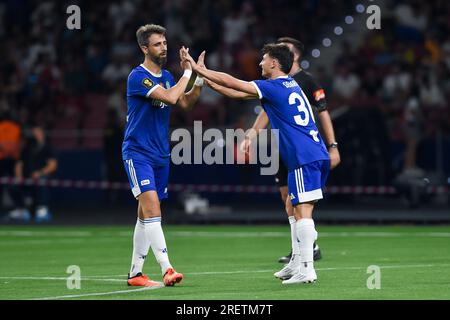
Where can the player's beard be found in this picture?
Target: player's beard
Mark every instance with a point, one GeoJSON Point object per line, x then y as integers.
{"type": "Point", "coordinates": [159, 60]}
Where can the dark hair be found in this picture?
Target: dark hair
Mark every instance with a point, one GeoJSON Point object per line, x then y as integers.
{"type": "Point", "coordinates": [282, 53]}
{"type": "Point", "coordinates": [298, 45]}
{"type": "Point", "coordinates": [144, 32]}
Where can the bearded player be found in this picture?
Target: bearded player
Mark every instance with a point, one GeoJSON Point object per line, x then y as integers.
{"type": "Point", "coordinates": [151, 92]}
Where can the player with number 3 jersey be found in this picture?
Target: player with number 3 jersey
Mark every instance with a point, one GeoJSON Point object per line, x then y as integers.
{"type": "Point", "coordinates": [301, 146]}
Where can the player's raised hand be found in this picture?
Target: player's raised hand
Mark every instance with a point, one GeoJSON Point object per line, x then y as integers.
{"type": "Point", "coordinates": [187, 57]}
{"type": "Point", "coordinates": [184, 63]}
{"type": "Point", "coordinates": [201, 60]}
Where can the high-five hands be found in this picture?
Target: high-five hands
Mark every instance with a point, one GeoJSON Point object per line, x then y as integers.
{"type": "Point", "coordinates": [184, 64]}
{"type": "Point", "coordinates": [186, 58]}
{"type": "Point", "coordinates": [201, 60]}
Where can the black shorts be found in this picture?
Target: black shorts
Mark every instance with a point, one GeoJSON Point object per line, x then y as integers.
{"type": "Point", "coordinates": [282, 175]}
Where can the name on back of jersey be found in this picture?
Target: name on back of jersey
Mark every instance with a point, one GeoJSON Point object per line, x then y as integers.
{"type": "Point", "coordinates": [290, 84]}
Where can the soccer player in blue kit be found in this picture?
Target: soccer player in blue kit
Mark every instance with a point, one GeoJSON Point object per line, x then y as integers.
{"type": "Point", "coordinates": [301, 146]}
{"type": "Point", "coordinates": [151, 91]}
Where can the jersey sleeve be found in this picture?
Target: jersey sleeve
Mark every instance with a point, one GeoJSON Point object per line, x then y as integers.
{"type": "Point", "coordinates": [318, 96]}
{"type": "Point", "coordinates": [264, 89]}
{"type": "Point", "coordinates": [171, 80]}
{"type": "Point", "coordinates": [139, 84]}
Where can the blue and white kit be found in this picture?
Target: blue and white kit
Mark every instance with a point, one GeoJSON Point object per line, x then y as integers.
{"type": "Point", "coordinates": [301, 146]}
{"type": "Point", "coordinates": [145, 149]}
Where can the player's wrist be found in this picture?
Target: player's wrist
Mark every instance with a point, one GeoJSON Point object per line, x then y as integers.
{"type": "Point", "coordinates": [199, 81]}
{"type": "Point", "coordinates": [187, 73]}
{"type": "Point", "coordinates": [333, 145]}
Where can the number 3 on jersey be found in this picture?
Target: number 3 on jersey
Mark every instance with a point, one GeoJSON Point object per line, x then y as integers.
{"type": "Point", "coordinates": [304, 108]}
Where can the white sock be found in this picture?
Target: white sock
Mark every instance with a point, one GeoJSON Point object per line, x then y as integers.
{"type": "Point", "coordinates": [140, 248]}
{"type": "Point", "coordinates": [157, 241]}
{"type": "Point", "coordinates": [294, 238]}
{"type": "Point", "coordinates": [307, 234]}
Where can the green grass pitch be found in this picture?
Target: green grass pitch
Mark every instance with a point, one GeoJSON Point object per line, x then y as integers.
{"type": "Point", "coordinates": [225, 262]}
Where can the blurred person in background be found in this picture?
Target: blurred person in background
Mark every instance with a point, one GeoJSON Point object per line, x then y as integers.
{"type": "Point", "coordinates": [112, 145]}
{"type": "Point", "coordinates": [10, 135]}
{"type": "Point", "coordinates": [38, 162]}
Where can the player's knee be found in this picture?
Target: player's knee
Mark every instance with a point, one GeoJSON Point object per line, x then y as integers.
{"type": "Point", "coordinates": [150, 209]}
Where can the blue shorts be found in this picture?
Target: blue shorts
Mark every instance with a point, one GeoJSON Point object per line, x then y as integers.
{"type": "Point", "coordinates": [305, 184]}
{"type": "Point", "coordinates": [143, 176]}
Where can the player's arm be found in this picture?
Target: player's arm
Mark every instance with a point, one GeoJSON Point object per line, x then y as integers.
{"type": "Point", "coordinates": [222, 78]}
{"type": "Point", "coordinates": [320, 104]}
{"type": "Point", "coordinates": [171, 96]}
{"type": "Point", "coordinates": [230, 93]}
{"type": "Point", "coordinates": [261, 122]}
{"type": "Point", "coordinates": [188, 99]}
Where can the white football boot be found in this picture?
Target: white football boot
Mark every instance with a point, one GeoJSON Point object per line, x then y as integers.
{"type": "Point", "coordinates": [288, 270]}
{"type": "Point", "coordinates": [299, 277]}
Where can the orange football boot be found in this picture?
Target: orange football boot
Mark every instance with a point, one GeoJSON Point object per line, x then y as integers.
{"type": "Point", "coordinates": [142, 280]}
{"type": "Point", "coordinates": [171, 277]}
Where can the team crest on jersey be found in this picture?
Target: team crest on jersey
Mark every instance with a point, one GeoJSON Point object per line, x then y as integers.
{"type": "Point", "coordinates": [147, 83]}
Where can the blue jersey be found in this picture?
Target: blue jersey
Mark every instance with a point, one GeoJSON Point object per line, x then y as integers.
{"type": "Point", "coordinates": [147, 130]}
{"type": "Point", "coordinates": [289, 111]}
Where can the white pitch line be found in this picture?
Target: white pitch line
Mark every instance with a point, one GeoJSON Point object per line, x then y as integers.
{"type": "Point", "coordinates": [201, 273]}
{"type": "Point", "coordinates": [105, 277]}
{"type": "Point", "coordinates": [64, 279]}
{"type": "Point", "coordinates": [23, 233]}
{"type": "Point", "coordinates": [98, 293]}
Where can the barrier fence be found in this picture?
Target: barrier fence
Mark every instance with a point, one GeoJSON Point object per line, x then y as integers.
{"type": "Point", "coordinates": [210, 188]}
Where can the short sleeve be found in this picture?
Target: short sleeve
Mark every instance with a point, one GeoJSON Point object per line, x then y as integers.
{"type": "Point", "coordinates": [171, 80]}
{"type": "Point", "coordinates": [140, 84]}
{"type": "Point", "coordinates": [264, 88]}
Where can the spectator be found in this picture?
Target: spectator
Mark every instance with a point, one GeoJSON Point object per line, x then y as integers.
{"type": "Point", "coordinates": [345, 83]}
{"type": "Point", "coordinates": [38, 162]}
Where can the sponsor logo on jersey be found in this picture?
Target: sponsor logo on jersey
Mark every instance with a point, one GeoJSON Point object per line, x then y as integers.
{"type": "Point", "coordinates": [319, 94]}
{"type": "Point", "coordinates": [145, 182]}
{"type": "Point", "coordinates": [147, 83]}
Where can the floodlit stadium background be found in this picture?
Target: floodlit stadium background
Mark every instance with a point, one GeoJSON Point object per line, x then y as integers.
{"type": "Point", "coordinates": [385, 88]}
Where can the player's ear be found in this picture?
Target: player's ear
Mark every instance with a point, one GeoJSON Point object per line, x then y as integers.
{"type": "Point", "coordinates": [144, 49]}
{"type": "Point", "coordinates": [274, 63]}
